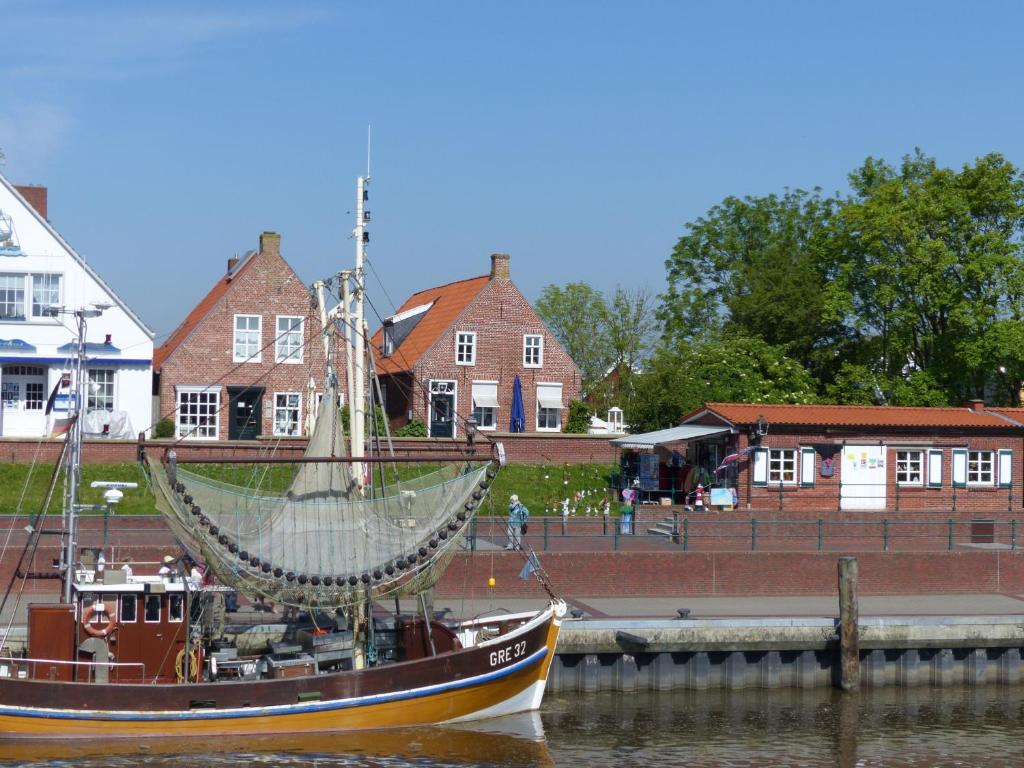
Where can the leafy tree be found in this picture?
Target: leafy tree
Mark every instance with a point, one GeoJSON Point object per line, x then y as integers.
{"type": "Point", "coordinates": [931, 272]}
{"type": "Point", "coordinates": [858, 384]}
{"type": "Point", "coordinates": [576, 315]}
{"type": "Point", "coordinates": [724, 368]}
{"type": "Point", "coordinates": [757, 266]}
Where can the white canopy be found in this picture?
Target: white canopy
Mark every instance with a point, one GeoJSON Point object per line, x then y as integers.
{"type": "Point", "coordinates": [485, 395]}
{"type": "Point", "coordinates": [550, 396]}
{"type": "Point", "coordinates": [671, 435]}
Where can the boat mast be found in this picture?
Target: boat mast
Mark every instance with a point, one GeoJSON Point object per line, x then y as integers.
{"type": "Point", "coordinates": [358, 394]}
{"type": "Point", "coordinates": [74, 454]}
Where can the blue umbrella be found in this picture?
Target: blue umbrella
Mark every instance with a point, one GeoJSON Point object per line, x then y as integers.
{"type": "Point", "coordinates": [517, 421]}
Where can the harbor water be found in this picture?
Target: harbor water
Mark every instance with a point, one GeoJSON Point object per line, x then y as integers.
{"type": "Point", "coordinates": [978, 726]}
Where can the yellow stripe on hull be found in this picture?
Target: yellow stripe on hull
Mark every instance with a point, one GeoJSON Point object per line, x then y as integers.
{"type": "Point", "coordinates": [429, 709]}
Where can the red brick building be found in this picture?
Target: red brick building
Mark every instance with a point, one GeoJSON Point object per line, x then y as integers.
{"type": "Point", "coordinates": [454, 351]}
{"type": "Point", "coordinates": [247, 360]}
{"type": "Point", "coordinates": [826, 460]}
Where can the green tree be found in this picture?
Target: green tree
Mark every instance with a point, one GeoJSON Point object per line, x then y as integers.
{"type": "Point", "coordinates": [577, 316]}
{"type": "Point", "coordinates": [931, 272]}
{"type": "Point", "coordinates": [757, 266]}
{"type": "Point", "coordinates": [724, 368]}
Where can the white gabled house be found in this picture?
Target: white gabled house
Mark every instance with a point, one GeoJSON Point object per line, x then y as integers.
{"type": "Point", "coordinates": [40, 272]}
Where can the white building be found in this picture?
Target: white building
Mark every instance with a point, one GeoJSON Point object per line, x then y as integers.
{"type": "Point", "coordinates": [39, 270]}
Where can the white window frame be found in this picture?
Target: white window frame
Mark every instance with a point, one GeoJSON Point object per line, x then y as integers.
{"type": "Point", "coordinates": [480, 412]}
{"type": "Point", "coordinates": [145, 609]}
{"type": "Point", "coordinates": [52, 301]}
{"type": "Point", "coordinates": [122, 600]}
{"type": "Point", "coordinates": [547, 413]}
{"type": "Point", "coordinates": [172, 598]}
{"type": "Point", "coordinates": [92, 397]}
{"type": "Point", "coordinates": [194, 434]}
{"type": "Point", "coordinates": [905, 470]}
{"type": "Point", "coordinates": [976, 475]}
{"type": "Point", "coordinates": [14, 303]}
{"type": "Point", "coordinates": [782, 461]}
{"type": "Point", "coordinates": [297, 407]}
{"type": "Point", "coordinates": [465, 347]}
{"type": "Point", "coordinates": [285, 348]}
{"type": "Point", "coordinates": [533, 354]}
{"type": "Point", "coordinates": [247, 344]}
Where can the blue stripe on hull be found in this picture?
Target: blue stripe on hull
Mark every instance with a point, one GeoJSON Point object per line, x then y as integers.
{"type": "Point", "coordinates": [281, 709]}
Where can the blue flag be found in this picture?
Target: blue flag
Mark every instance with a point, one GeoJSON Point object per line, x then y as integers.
{"type": "Point", "coordinates": [532, 565]}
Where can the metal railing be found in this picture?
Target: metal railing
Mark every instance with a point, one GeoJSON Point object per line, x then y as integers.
{"type": "Point", "coordinates": [675, 530]}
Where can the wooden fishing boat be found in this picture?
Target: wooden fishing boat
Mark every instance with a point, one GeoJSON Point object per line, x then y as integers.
{"type": "Point", "coordinates": [127, 654]}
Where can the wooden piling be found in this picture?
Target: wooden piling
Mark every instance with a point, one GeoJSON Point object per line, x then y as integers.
{"type": "Point", "coordinates": [849, 615]}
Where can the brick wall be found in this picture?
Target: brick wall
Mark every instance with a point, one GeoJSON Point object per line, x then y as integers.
{"type": "Point", "coordinates": [267, 287]}
{"type": "Point", "coordinates": [520, 448]}
{"type": "Point", "coordinates": [500, 316]}
{"type": "Point", "coordinates": [679, 574]}
{"type": "Point", "coordinates": [626, 573]}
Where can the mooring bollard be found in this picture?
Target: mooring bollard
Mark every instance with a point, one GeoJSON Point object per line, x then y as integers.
{"type": "Point", "coordinates": [849, 615]}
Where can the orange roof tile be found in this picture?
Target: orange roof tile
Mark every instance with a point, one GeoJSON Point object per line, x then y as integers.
{"type": "Point", "coordinates": [161, 353]}
{"type": "Point", "coordinates": [448, 302]}
{"type": "Point", "coordinates": [856, 415]}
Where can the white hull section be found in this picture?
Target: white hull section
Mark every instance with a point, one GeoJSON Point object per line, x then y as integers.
{"type": "Point", "coordinates": [526, 700]}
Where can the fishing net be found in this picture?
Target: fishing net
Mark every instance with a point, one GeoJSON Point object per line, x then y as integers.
{"type": "Point", "coordinates": [316, 540]}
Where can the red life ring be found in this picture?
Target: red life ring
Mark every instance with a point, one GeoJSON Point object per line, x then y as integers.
{"type": "Point", "coordinates": [97, 630]}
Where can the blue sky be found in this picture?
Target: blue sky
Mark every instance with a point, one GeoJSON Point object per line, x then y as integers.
{"type": "Point", "coordinates": [579, 137]}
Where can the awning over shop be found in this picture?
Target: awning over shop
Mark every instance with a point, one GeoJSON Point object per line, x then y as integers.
{"type": "Point", "coordinates": [671, 435]}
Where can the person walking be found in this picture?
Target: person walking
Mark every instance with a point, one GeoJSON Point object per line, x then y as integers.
{"type": "Point", "coordinates": [518, 514]}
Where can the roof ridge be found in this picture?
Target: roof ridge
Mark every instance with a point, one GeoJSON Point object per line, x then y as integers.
{"type": "Point", "coordinates": [854, 405]}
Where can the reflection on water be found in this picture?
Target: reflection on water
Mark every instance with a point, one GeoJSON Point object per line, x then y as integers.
{"type": "Point", "coordinates": [941, 727]}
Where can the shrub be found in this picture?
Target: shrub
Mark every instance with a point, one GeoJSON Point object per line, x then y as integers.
{"type": "Point", "coordinates": [579, 418]}
{"type": "Point", "coordinates": [415, 428]}
{"type": "Point", "coordinates": [163, 428]}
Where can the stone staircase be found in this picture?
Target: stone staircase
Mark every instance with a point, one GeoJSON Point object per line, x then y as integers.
{"type": "Point", "coordinates": [662, 528]}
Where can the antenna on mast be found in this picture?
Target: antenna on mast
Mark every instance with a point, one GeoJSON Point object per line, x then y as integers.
{"type": "Point", "coordinates": [368, 152]}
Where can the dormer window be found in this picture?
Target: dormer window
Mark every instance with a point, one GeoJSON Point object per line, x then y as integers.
{"type": "Point", "coordinates": [389, 340]}
{"type": "Point", "coordinates": [465, 348]}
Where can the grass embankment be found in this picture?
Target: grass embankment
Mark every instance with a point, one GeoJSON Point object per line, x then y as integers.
{"type": "Point", "coordinates": [540, 487]}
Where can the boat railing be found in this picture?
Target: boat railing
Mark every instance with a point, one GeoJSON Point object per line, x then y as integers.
{"type": "Point", "coordinates": [24, 667]}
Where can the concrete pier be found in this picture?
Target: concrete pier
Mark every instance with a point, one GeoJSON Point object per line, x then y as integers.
{"type": "Point", "coordinates": [784, 653]}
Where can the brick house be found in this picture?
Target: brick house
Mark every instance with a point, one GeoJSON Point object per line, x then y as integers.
{"type": "Point", "coordinates": [454, 351]}
{"type": "Point", "coordinates": [247, 360]}
{"type": "Point", "coordinates": [826, 460]}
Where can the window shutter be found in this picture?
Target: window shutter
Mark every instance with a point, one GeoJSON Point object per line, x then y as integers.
{"type": "Point", "coordinates": [935, 468]}
{"type": "Point", "coordinates": [959, 467]}
{"type": "Point", "coordinates": [807, 467]}
{"type": "Point", "coordinates": [760, 466]}
{"type": "Point", "coordinates": [1005, 467]}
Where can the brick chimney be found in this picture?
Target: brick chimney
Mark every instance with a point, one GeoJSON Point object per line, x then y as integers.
{"type": "Point", "coordinates": [36, 197]}
{"type": "Point", "coordinates": [976, 404]}
{"type": "Point", "coordinates": [499, 266]}
{"type": "Point", "coordinates": [270, 242]}
{"type": "Point", "coordinates": [232, 263]}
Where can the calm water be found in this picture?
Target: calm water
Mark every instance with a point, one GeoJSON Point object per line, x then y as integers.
{"type": "Point", "coordinates": [951, 727]}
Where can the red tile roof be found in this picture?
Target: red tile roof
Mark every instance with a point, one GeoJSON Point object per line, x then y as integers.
{"type": "Point", "coordinates": [858, 415]}
{"type": "Point", "coordinates": [448, 302]}
{"type": "Point", "coordinates": [161, 353]}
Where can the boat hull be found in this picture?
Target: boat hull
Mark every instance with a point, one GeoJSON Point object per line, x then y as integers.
{"type": "Point", "coordinates": [502, 676]}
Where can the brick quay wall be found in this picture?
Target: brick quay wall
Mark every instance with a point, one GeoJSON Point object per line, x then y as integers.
{"type": "Point", "coordinates": [643, 566]}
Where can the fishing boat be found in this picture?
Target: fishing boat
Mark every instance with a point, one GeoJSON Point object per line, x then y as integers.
{"type": "Point", "coordinates": [333, 537]}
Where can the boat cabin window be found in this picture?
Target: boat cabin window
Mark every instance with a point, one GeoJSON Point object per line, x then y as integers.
{"type": "Point", "coordinates": [129, 609]}
{"type": "Point", "coordinates": [152, 608]}
{"type": "Point", "coordinates": [175, 607]}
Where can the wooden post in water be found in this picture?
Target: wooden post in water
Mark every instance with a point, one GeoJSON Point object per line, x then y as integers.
{"type": "Point", "coordinates": [849, 615]}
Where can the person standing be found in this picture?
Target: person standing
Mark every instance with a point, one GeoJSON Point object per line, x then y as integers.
{"type": "Point", "coordinates": [518, 514]}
